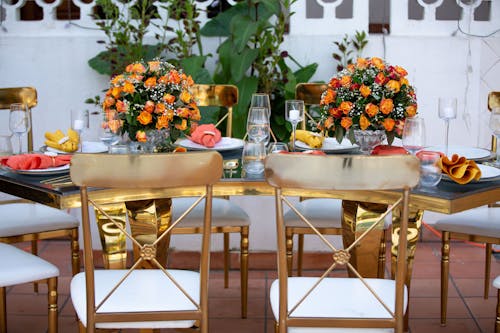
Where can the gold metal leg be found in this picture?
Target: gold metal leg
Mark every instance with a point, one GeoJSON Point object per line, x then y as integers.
{"type": "Point", "coordinates": [114, 249]}
{"type": "Point", "coordinates": [3, 311]}
{"type": "Point", "coordinates": [445, 267]}
{"type": "Point", "coordinates": [75, 253]}
{"type": "Point", "coordinates": [52, 301]}
{"type": "Point", "coordinates": [356, 218]}
{"type": "Point", "coordinates": [289, 250]}
{"type": "Point", "coordinates": [226, 260]}
{"type": "Point", "coordinates": [244, 271]}
{"type": "Point", "coordinates": [300, 254]}
{"type": "Point", "coordinates": [497, 320]}
{"type": "Point", "coordinates": [487, 270]}
{"type": "Point", "coordinates": [34, 251]}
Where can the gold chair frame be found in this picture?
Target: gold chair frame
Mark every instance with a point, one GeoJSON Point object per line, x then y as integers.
{"type": "Point", "coordinates": [349, 173]}
{"type": "Point", "coordinates": [28, 96]}
{"type": "Point", "coordinates": [224, 95]}
{"type": "Point", "coordinates": [195, 173]}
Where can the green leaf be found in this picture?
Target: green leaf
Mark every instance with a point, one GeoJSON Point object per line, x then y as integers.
{"type": "Point", "coordinates": [220, 25]}
{"type": "Point", "coordinates": [272, 6]}
{"type": "Point", "coordinates": [390, 137]}
{"type": "Point", "coordinates": [246, 87]}
{"type": "Point", "coordinates": [339, 133]}
{"type": "Point", "coordinates": [241, 62]}
{"type": "Point", "coordinates": [242, 29]}
{"type": "Point", "coordinates": [195, 66]}
{"type": "Point", "coordinates": [304, 74]}
{"type": "Point", "coordinates": [100, 64]}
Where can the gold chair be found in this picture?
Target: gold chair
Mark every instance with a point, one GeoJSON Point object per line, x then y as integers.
{"type": "Point", "coordinates": [227, 217]}
{"type": "Point", "coordinates": [325, 214]}
{"type": "Point", "coordinates": [496, 284]}
{"type": "Point", "coordinates": [328, 301]}
{"type": "Point", "coordinates": [480, 225]}
{"type": "Point", "coordinates": [144, 298]}
{"type": "Point", "coordinates": [27, 221]}
{"type": "Point", "coordinates": [19, 267]}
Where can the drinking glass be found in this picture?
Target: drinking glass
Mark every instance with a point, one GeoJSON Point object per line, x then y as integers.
{"type": "Point", "coordinates": [277, 147]}
{"type": "Point", "coordinates": [414, 135]}
{"type": "Point", "coordinates": [262, 100]}
{"type": "Point", "coordinates": [495, 127]}
{"type": "Point", "coordinates": [253, 157]}
{"type": "Point", "coordinates": [19, 121]}
{"type": "Point", "coordinates": [258, 124]}
{"type": "Point", "coordinates": [294, 113]}
{"type": "Point", "coordinates": [5, 145]}
{"type": "Point", "coordinates": [79, 124]}
{"type": "Point", "coordinates": [430, 172]}
{"type": "Point", "coordinates": [109, 131]}
{"type": "Point", "coordinates": [447, 110]}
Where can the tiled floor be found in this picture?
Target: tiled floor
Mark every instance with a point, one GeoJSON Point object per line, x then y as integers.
{"type": "Point", "coordinates": [468, 312]}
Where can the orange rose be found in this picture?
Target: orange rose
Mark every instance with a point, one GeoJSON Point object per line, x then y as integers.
{"type": "Point", "coordinates": [141, 136]}
{"type": "Point", "coordinates": [380, 78]}
{"type": "Point", "coordinates": [329, 122]}
{"type": "Point", "coordinates": [108, 101]}
{"type": "Point", "coordinates": [160, 108]}
{"type": "Point", "coordinates": [144, 118]}
{"type": "Point", "coordinates": [163, 79]}
{"type": "Point", "coordinates": [170, 99]}
{"type": "Point", "coordinates": [386, 105]}
{"type": "Point", "coordinates": [183, 112]}
{"type": "Point", "coordinates": [114, 125]}
{"type": "Point", "coordinates": [379, 63]}
{"type": "Point", "coordinates": [162, 122]}
{"type": "Point", "coordinates": [403, 81]}
{"type": "Point", "coordinates": [182, 126]}
{"type": "Point", "coordinates": [400, 70]}
{"type": "Point", "coordinates": [365, 91]}
{"type": "Point", "coordinates": [150, 83]}
{"type": "Point", "coordinates": [345, 81]}
{"type": "Point", "coordinates": [345, 107]}
{"type": "Point", "coordinates": [351, 68]}
{"type": "Point", "coordinates": [154, 66]}
{"type": "Point", "coordinates": [364, 123]}
{"type": "Point", "coordinates": [411, 110]}
{"type": "Point", "coordinates": [188, 80]}
{"type": "Point", "coordinates": [170, 114]}
{"type": "Point", "coordinates": [116, 80]}
{"type": "Point", "coordinates": [393, 85]}
{"type": "Point", "coordinates": [371, 109]}
{"type": "Point", "coordinates": [195, 111]}
{"type": "Point", "coordinates": [328, 97]}
{"type": "Point", "coordinates": [185, 96]}
{"type": "Point", "coordinates": [128, 87]}
{"type": "Point", "coordinates": [138, 68]}
{"type": "Point", "coordinates": [116, 91]}
{"type": "Point", "coordinates": [174, 77]}
{"type": "Point", "coordinates": [335, 112]}
{"type": "Point", "coordinates": [361, 63]}
{"type": "Point", "coordinates": [149, 107]}
{"type": "Point", "coordinates": [389, 124]}
{"type": "Point", "coordinates": [121, 106]}
{"type": "Point", "coordinates": [346, 122]}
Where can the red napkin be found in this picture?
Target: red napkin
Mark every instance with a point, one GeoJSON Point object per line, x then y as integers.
{"type": "Point", "coordinates": [34, 161]}
{"type": "Point", "coordinates": [207, 135]}
{"type": "Point", "coordinates": [388, 150]}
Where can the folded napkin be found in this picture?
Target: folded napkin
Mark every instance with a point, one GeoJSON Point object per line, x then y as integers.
{"type": "Point", "coordinates": [58, 140]}
{"type": "Point", "coordinates": [207, 135]}
{"type": "Point", "coordinates": [388, 150]}
{"type": "Point", "coordinates": [313, 140]}
{"type": "Point", "coordinates": [34, 161]}
{"type": "Point", "coordinates": [460, 169]}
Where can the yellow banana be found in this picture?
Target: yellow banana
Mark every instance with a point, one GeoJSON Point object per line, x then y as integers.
{"type": "Point", "coordinates": [313, 140]}
{"type": "Point", "coordinates": [58, 140]}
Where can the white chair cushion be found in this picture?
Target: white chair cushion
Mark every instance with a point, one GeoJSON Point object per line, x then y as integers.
{"type": "Point", "coordinates": [337, 297]}
{"type": "Point", "coordinates": [321, 212]}
{"type": "Point", "coordinates": [27, 218]}
{"type": "Point", "coordinates": [19, 267]}
{"type": "Point", "coordinates": [496, 282]}
{"type": "Point", "coordinates": [481, 221]}
{"type": "Point", "coordinates": [224, 212]}
{"type": "Point", "coordinates": [144, 290]}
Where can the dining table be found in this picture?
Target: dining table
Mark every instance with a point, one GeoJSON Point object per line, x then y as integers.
{"type": "Point", "coordinates": [447, 197]}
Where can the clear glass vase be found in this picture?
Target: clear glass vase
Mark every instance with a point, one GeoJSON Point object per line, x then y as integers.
{"type": "Point", "coordinates": [158, 141]}
{"type": "Point", "coordinates": [368, 139]}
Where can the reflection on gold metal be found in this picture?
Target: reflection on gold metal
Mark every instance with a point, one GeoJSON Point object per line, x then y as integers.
{"type": "Point", "coordinates": [114, 249]}
{"type": "Point", "coordinates": [341, 257]}
{"type": "Point", "coordinates": [493, 100]}
{"type": "Point", "coordinates": [310, 93]}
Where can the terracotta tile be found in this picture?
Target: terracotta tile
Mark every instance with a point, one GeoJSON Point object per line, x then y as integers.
{"type": "Point", "coordinates": [230, 308]}
{"type": "Point", "coordinates": [430, 288]}
{"type": "Point", "coordinates": [474, 287]}
{"type": "Point", "coordinates": [482, 308]}
{"type": "Point", "coordinates": [425, 307]}
{"type": "Point", "coordinates": [453, 326]}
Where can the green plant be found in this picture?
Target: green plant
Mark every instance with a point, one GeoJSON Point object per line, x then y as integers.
{"type": "Point", "coordinates": [347, 46]}
{"type": "Point", "coordinates": [251, 58]}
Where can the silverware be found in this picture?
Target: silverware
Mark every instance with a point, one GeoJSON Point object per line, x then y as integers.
{"type": "Point", "coordinates": [56, 180]}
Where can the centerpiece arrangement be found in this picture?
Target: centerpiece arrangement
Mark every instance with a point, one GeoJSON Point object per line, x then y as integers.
{"type": "Point", "coordinates": [152, 103]}
{"type": "Point", "coordinates": [367, 102]}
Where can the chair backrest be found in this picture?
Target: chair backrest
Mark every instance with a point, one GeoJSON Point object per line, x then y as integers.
{"type": "Point", "coordinates": [493, 102]}
{"type": "Point", "coordinates": [222, 95]}
{"type": "Point", "coordinates": [149, 176]}
{"type": "Point", "coordinates": [351, 176]}
{"type": "Point", "coordinates": [24, 95]}
{"type": "Point", "coordinates": [310, 93]}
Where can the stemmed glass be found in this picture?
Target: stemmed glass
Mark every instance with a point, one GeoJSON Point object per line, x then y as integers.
{"type": "Point", "coordinates": [414, 135]}
{"type": "Point", "coordinates": [294, 113]}
{"type": "Point", "coordinates": [262, 100]}
{"type": "Point", "coordinates": [79, 123]}
{"type": "Point", "coordinates": [495, 127]}
{"type": "Point", "coordinates": [258, 124]}
{"type": "Point", "coordinates": [447, 110]}
{"type": "Point", "coordinates": [19, 121]}
{"type": "Point", "coordinates": [109, 131]}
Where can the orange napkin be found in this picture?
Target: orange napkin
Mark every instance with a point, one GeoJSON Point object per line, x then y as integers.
{"type": "Point", "coordinates": [207, 135]}
{"type": "Point", "coordinates": [34, 161]}
{"type": "Point", "coordinates": [460, 169]}
{"type": "Point", "coordinates": [388, 150]}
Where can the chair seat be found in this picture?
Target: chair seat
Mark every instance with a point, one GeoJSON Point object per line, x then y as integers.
{"type": "Point", "coordinates": [481, 221]}
{"type": "Point", "coordinates": [154, 292]}
{"type": "Point", "coordinates": [321, 212]}
{"type": "Point", "coordinates": [224, 213]}
{"type": "Point", "coordinates": [337, 297]}
{"type": "Point", "coordinates": [19, 267]}
{"type": "Point", "coordinates": [496, 282]}
{"type": "Point", "coordinates": [27, 218]}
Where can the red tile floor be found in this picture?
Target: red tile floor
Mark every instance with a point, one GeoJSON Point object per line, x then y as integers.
{"type": "Point", "coordinates": [468, 312]}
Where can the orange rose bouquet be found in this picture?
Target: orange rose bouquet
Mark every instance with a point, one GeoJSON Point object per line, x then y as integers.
{"type": "Point", "coordinates": [367, 95]}
{"type": "Point", "coordinates": [149, 98]}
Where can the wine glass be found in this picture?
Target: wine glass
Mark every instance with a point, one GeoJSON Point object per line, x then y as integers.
{"type": "Point", "coordinates": [277, 147]}
{"type": "Point", "coordinates": [109, 131]}
{"type": "Point", "coordinates": [262, 100]}
{"type": "Point", "coordinates": [447, 110]}
{"type": "Point", "coordinates": [414, 135]}
{"type": "Point", "coordinates": [258, 124]}
{"type": "Point", "coordinates": [294, 113]}
{"type": "Point", "coordinates": [19, 121]}
{"type": "Point", "coordinates": [79, 123]}
{"type": "Point", "coordinates": [494, 125]}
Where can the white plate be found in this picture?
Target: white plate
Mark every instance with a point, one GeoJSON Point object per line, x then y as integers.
{"type": "Point", "coordinates": [87, 147]}
{"type": "Point", "coordinates": [225, 143]}
{"type": "Point", "coordinates": [470, 153]}
{"type": "Point", "coordinates": [41, 172]}
{"type": "Point", "coordinates": [330, 145]}
{"type": "Point", "coordinates": [488, 173]}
